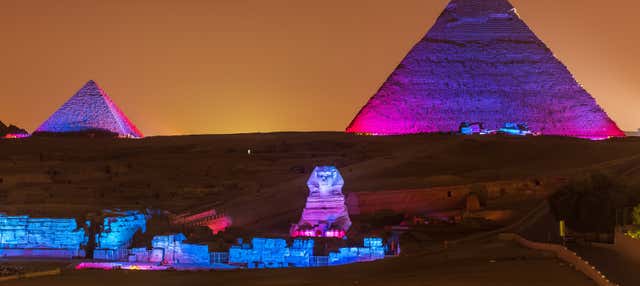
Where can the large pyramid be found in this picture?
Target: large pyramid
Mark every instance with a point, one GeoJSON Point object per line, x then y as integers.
{"type": "Point", "coordinates": [90, 109]}
{"type": "Point", "coordinates": [481, 63]}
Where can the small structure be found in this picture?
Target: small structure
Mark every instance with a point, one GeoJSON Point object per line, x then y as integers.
{"type": "Point", "coordinates": [467, 128]}
{"type": "Point", "coordinates": [519, 129]}
{"type": "Point", "coordinates": [325, 213]}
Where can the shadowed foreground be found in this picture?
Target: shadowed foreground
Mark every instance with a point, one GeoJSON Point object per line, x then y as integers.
{"type": "Point", "coordinates": [487, 263]}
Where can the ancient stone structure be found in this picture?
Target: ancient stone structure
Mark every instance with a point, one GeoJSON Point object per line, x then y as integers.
{"type": "Point", "coordinates": [119, 228]}
{"type": "Point", "coordinates": [325, 213]}
{"type": "Point", "coordinates": [274, 253]}
{"type": "Point", "coordinates": [23, 236]}
{"type": "Point", "coordinates": [373, 249]}
{"type": "Point", "coordinates": [90, 110]}
{"type": "Point", "coordinates": [176, 251]}
{"type": "Point", "coordinates": [481, 63]}
{"type": "Point", "coordinates": [212, 219]}
{"type": "Point", "coordinates": [170, 252]}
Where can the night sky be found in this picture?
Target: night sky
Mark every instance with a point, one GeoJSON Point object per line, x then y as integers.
{"type": "Point", "coordinates": [229, 66]}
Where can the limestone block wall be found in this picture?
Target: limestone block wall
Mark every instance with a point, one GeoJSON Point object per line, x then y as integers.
{"type": "Point", "coordinates": [373, 250]}
{"type": "Point", "coordinates": [272, 253]}
{"type": "Point", "coordinates": [175, 251]}
{"type": "Point", "coordinates": [24, 232]}
{"type": "Point", "coordinates": [118, 230]}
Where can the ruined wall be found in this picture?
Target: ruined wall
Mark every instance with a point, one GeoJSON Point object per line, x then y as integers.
{"type": "Point", "coordinates": [373, 250]}
{"type": "Point", "coordinates": [176, 251]}
{"type": "Point", "coordinates": [118, 231]}
{"type": "Point", "coordinates": [63, 237]}
{"type": "Point", "coordinates": [272, 253]}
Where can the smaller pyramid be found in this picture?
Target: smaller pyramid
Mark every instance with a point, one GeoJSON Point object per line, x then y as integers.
{"type": "Point", "coordinates": [90, 109]}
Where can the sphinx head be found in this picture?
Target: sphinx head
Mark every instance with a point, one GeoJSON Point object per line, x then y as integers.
{"type": "Point", "coordinates": [325, 180]}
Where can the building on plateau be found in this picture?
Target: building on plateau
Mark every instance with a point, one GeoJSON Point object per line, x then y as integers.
{"type": "Point", "coordinates": [90, 110]}
{"type": "Point", "coordinates": [481, 63]}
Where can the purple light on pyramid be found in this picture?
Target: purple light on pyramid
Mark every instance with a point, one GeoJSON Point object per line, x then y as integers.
{"type": "Point", "coordinates": [481, 63]}
{"type": "Point", "coordinates": [90, 109]}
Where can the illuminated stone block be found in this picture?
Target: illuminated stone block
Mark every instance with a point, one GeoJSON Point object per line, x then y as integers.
{"type": "Point", "coordinates": [480, 62]}
{"type": "Point", "coordinates": [119, 228]}
{"type": "Point", "coordinates": [373, 249]}
{"type": "Point", "coordinates": [176, 251]}
{"type": "Point", "coordinates": [272, 253]}
{"type": "Point", "coordinates": [325, 213]}
{"type": "Point", "coordinates": [40, 237]}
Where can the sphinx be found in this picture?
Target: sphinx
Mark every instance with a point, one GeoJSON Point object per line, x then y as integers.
{"type": "Point", "coordinates": [325, 213]}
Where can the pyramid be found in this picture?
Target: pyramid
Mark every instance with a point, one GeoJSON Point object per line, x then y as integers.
{"type": "Point", "coordinates": [481, 63]}
{"type": "Point", "coordinates": [90, 109]}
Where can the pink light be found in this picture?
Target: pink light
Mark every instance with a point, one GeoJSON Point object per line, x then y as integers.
{"type": "Point", "coordinates": [120, 265]}
{"type": "Point", "coordinates": [332, 233]}
{"type": "Point", "coordinates": [16, 136]}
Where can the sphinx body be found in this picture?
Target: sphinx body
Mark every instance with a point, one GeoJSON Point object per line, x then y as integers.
{"type": "Point", "coordinates": [325, 213]}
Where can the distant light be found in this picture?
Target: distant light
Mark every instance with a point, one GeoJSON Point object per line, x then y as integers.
{"type": "Point", "coordinates": [248, 151]}
{"type": "Point", "coordinates": [16, 136]}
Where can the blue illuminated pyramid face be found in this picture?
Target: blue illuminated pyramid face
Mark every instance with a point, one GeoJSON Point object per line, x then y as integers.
{"type": "Point", "coordinates": [90, 109]}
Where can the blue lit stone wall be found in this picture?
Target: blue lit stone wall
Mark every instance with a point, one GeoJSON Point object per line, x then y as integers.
{"type": "Point", "coordinates": [118, 231]}
{"type": "Point", "coordinates": [373, 250]}
{"type": "Point", "coordinates": [24, 232]}
{"type": "Point", "coordinates": [177, 252]}
{"type": "Point", "coordinates": [273, 253]}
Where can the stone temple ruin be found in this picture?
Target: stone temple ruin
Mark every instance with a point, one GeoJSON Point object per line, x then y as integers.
{"type": "Point", "coordinates": [480, 62]}
{"type": "Point", "coordinates": [90, 110]}
{"type": "Point", "coordinates": [325, 213]}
